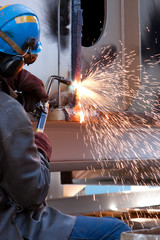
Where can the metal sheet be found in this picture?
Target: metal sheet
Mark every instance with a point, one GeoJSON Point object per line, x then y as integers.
{"type": "Point", "coordinates": [104, 202]}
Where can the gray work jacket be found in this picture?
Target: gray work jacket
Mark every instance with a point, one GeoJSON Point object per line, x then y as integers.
{"type": "Point", "coordinates": [24, 181]}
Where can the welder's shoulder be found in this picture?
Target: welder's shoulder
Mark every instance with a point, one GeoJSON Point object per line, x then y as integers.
{"type": "Point", "coordinates": [12, 113]}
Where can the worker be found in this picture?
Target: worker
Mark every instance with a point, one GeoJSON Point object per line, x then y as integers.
{"type": "Point", "coordinates": [25, 155]}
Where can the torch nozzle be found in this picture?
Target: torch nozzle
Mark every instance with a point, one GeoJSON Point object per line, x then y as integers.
{"type": "Point", "coordinates": [62, 80]}
{"type": "Point", "coordinates": [66, 81]}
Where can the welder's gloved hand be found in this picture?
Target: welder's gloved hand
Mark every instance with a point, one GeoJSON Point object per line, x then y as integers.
{"type": "Point", "coordinates": [30, 101]}
{"type": "Point", "coordinates": [32, 89]}
{"type": "Point", "coordinates": [43, 143]}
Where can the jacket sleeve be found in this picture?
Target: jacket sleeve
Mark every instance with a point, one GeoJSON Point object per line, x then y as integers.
{"type": "Point", "coordinates": [27, 82]}
{"type": "Point", "coordinates": [26, 173]}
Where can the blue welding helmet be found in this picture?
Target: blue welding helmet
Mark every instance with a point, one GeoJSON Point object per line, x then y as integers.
{"type": "Point", "coordinates": [19, 37]}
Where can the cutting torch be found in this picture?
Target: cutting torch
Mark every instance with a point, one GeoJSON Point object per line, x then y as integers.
{"type": "Point", "coordinates": [44, 108]}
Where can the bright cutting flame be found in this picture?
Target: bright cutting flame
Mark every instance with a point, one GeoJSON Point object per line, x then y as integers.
{"type": "Point", "coordinates": [81, 115]}
{"type": "Point", "coordinates": [78, 108]}
{"type": "Point", "coordinates": [84, 90]}
{"type": "Point", "coordinates": [85, 96]}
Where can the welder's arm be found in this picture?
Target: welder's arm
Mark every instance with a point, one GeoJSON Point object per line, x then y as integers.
{"type": "Point", "coordinates": [26, 175]}
{"type": "Point", "coordinates": [32, 88]}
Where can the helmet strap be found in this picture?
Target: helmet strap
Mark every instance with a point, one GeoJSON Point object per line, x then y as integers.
{"type": "Point", "coordinates": [11, 43]}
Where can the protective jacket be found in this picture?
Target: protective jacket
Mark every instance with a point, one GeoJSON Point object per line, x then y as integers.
{"type": "Point", "coordinates": [24, 181]}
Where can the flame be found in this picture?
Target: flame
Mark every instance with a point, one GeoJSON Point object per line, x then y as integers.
{"type": "Point", "coordinates": [78, 108]}
{"type": "Point", "coordinates": [81, 114]}
{"type": "Point", "coordinates": [86, 98]}
{"type": "Point", "coordinates": [82, 89]}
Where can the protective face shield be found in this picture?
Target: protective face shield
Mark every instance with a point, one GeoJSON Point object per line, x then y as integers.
{"type": "Point", "coordinates": [19, 38]}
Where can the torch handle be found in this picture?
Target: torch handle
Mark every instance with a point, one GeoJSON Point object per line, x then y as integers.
{"type": "Point", "coordinates": [42, 119]}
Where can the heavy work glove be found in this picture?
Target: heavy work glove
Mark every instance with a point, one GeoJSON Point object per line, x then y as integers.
{"type": "Point", "coordinates": [32, 89]}
{"type": "Point", "coordinates": [43, 143]}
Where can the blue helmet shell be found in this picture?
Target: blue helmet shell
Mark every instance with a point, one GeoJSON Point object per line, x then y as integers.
{"type": "Point", "coordinates": [19, 23]}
